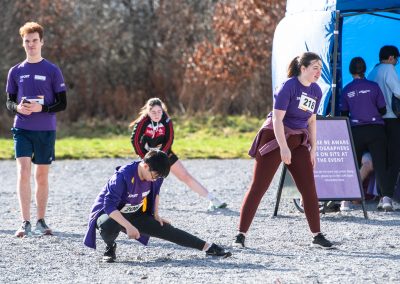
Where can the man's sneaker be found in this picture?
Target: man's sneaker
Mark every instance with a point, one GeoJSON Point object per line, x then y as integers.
{"type": "Point", "coordinates": [387, 203]}
{"type": "Point", "coordinates": [25, 230]}
{"type": "Point", "coordinates": [239, 241]}
{"type": "Point", "coordinates": [380, 204]}
{"type": "Point", "coordinates": [215, 203]}
{"type": "Point", "coordinates": [42, 228]}
{"type": "Point", "coordinates": [215, 250]}
{"type": "Point", "coordinates": [320, 241]}
{"type": "Point", "coordinates": [109, 254]}
{"type": "Point", "coordinates": [345, 205]}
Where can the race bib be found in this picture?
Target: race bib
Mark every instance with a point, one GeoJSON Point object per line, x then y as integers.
{"type": "Point", "coordinates": [307, 104]}
{"type": "Point", "coordinates": [128, 208]}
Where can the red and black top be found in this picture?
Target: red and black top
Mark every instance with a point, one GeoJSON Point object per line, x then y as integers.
{"type": "Point", "coordinates": [148, 134]}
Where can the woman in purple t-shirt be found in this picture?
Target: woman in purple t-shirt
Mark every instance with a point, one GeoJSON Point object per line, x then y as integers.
{"type": "Point", "coordinates": [289, 135]}
{"type": "Point", "coordinates": [363, 102]}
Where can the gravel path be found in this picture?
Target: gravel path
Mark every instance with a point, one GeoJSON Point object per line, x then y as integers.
{"type": "Point", "coordinates": [368, 250]}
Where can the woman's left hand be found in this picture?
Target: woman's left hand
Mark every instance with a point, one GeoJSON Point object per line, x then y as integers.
{"type": "Point", "coordinates": [312, 156]}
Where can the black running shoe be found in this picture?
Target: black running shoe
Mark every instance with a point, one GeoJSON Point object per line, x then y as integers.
{"type": "Point", "coordinates": [320, 241]}
{"type": "Point", "coordinates": [25, 230]}
{"type": "Point", "coordinates": [239, 241]}
{"type": "Point", "coordinates": [42, 228]}
{"type": "Point", "coordinates": [215, 250]}
{"type": "Point", "coordinates": [109, 255]}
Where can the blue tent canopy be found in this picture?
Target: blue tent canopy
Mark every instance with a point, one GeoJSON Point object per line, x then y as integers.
{"type": "Point", "coordinates": [337, 30]}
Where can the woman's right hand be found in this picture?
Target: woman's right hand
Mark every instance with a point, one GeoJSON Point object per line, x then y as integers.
{"type": "Point", "coordinates": [132, 232]}
{"type": "Point", "coordinates": [286, 155]}
{"type": "Point", "coordinates": [23, 108]}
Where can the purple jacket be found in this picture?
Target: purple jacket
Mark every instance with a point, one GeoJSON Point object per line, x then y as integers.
{"type": "Point", "coordinates": [118, 191]}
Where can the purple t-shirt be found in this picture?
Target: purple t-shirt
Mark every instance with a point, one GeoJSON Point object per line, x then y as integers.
{"type": "Point", "coordinates": [123, 191]}
{"type": "Point", "coordinates": [363, 99]}
{"type": "Point", "coordinates": [299, 102]}
{"type": "Point", "coordinates": [35, 81]}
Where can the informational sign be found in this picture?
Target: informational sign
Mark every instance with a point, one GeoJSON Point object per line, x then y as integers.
{"type": "Point", "coordinates": [336, 171]}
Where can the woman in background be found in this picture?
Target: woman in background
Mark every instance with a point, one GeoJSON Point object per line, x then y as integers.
{"type": "Point", "coordinates": [153, 129]}
{"type": "Point", "coordinates": [363, 102]}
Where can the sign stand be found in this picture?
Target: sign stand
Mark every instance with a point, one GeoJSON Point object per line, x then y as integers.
{"type": "Point", "coordinates": [337, 175]}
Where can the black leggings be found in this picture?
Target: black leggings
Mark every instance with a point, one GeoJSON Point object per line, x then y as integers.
{"type": "Point", "coordinates": [392, 127]}
{"type": "Point", "coordinates": [372, 138]}
{"type": "Point", "coordinates": [146, 224]}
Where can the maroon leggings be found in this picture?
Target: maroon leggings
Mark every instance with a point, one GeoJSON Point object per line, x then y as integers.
{"type": "Point", "coordinates": [264, 171]}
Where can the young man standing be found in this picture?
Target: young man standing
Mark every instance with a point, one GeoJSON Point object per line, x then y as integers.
{"type": "Point", "coordinates": [35, 92]}
{"type": "Point", "coordinates": [385, 75]}
{"type": "Point", "coordinates": [129, 203]}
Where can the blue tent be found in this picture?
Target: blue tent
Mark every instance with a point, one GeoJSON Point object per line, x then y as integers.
{"type": "Point", "coordinates": [337, 30]}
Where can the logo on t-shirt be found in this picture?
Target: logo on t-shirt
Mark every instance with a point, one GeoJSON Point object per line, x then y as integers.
{"type": "Point", "coordinates": [351, 94]}
{"type": "Point", "coordinates": [40, 77]}
{"type": "Point", "coordinates": [155, 131]}
{"type": "Point", "coordinates": [22, 77]}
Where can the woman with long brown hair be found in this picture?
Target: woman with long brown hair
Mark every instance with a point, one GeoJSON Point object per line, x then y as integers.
{"type": "Point", "coordinates": [289, 136]}
{"type": "Point", "coordinates": [154, 129]}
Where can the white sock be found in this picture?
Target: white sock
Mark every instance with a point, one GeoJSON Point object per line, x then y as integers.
{"type": "Point", "coordinates": [206, 247]}
{"type": "Point", "coordinates": [210, 196]}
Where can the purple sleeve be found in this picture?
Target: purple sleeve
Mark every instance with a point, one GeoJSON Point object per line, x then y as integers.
{"type": "Point", "coordinates": [11, 87]}
{"type": "Point", "coordinates": [114, 190]}
{"type": "Point", "coordinates": [344, 106]}
{"type": "Point", "coordinates": [380, 100]}
{"type": "Point", "coordinates": [283, 96]}
{"type": "Point", "coordinates": [58, 81]}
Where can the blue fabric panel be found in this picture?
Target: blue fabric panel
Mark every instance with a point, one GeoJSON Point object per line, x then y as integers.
{"type": "Point", "coordinates": [364, 35]}
{"type": "Point", "coordinates": [355, 5]}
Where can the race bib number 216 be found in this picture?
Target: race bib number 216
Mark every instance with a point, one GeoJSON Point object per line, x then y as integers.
{"type": "Point", "coordinates": [307, 104]}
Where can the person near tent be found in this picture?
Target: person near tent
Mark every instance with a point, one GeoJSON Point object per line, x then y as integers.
{"type": "Point", "coordinates": [384, 73]}
{"type": "Point", "coordinates": [288, 135]}
{"type": "Point", "coordinates": [363, 102]}
{"type": "Point", "coordinates": [129, 202]}
{"type": "Point", "coordinates": [153, 129]}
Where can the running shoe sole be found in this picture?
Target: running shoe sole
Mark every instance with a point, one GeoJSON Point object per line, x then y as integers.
{"type": "Point", "coordinates": [322, 247]}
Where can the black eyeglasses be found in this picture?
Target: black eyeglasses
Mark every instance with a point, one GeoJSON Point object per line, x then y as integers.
{"type": "Point", "coordinates": [152, 176]}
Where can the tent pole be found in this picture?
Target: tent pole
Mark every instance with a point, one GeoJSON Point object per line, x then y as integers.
{"type": "Point", "coordinates": [335, 55]}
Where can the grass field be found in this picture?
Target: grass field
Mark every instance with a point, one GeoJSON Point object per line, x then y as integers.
{"type": "Point", "coordinates": [198, 137]}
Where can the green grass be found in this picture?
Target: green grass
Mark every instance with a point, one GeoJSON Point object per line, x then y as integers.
{"type": "Point", "coordinates": [198, 137]}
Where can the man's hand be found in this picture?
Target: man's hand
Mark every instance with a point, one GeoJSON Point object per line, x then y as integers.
{"type": "Point", "coordinates": [132, 232]}
{"type": "Point", "coordinates": [34, 107]}
{"type": "Point", "coordinates": [24, 108]}
{"type": "Point", "coordinates": [160, 220]}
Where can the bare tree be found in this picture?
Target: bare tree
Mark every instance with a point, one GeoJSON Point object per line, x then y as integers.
{"type": "Point", "coordinates": [199, 56]}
